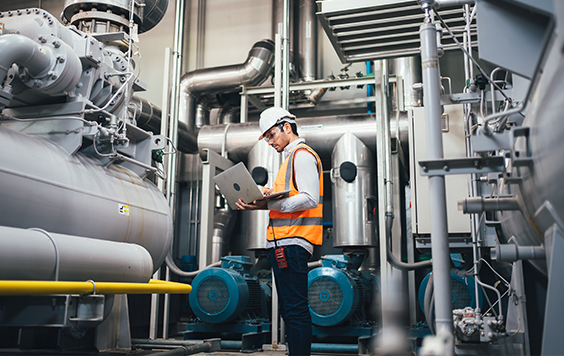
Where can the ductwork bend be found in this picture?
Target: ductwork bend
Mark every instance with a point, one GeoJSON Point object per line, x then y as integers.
{"type": "Point", "coordinates": [252, 72]}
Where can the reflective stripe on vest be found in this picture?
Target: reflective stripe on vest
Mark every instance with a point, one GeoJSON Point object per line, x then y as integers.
{"type": "Point", "coordinates": [307, 223]}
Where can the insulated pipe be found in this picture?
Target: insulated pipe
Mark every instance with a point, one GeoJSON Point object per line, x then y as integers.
{"type": "Point", "coordinates": [393, 260]}
{"type": "Point", "coordinates": [321, 133]}
{"type": "Point", "coordinates": [478, 205]}
{"type": "Point", "coordinates": [15, 288]}
{"type": "Point", "coordinates": [446, 3]}
{"type": "Point", "coordinates": [307, 39]}
{"type": "Point", "coordinates": [252, 72]}
{"type": "Point", "coordinates": [23, 52]}
{"type": "Point", "coordinates": [437, 195]}
{"type": "Point", "coordinates": [222, 228]}
{"type": "Point", "coordinates": [174, 268]}
{"type": "Point", "coordinates": [512, 253]}
{"type": "Point", "coordinates": [31, 255]}
{"type": "Point", "coordinates": [148, 117]}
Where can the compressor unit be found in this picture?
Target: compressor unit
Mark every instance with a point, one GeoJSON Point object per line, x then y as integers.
{"type": "Point", "coordinates": [341, 297]}
{"type": "Point", "coordinates": [232, 302]}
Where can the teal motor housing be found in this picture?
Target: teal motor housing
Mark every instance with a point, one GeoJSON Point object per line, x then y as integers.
{"type": "Point", "coordinates": [230, 293]}
{"type": "Point", "coordinates": [340, 294]}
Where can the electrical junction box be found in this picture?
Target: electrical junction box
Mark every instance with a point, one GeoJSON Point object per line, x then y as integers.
{"type": "Point", "coordinates": [457, 186]}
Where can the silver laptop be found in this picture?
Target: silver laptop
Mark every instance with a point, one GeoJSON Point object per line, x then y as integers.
{"type": "Point", "coordinates": [237, 183]}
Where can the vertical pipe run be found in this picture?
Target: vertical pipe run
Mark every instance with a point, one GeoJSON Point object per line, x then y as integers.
{"type": "Point", "coordinates": [286, 53]}
{"type": "Point", "coordinates": [175, 96]}
{"type": "Point", "coordinates": [277, 70]}
{"type": "Point", "coordinates": [437, 200]}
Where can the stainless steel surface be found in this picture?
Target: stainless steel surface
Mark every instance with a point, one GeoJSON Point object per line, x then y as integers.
{"type": "Point", "coordinates": [321, 133]}
{"type": "Point", "coordinates": [225, 79]}
{"type": "Point", "coordinates": [42, 186]}
{"type": "Point", "coordinates": [354, 218]}
{"type": "Point", "coordinates": [307, 39]}
{"type": "Point", "coordinates": [222, 229]}
{"type": "Point", "coordinates": [255, 222]}
{"type": "Point", "coordinates": [285, 55]}
{"type": "Point", "coordinates": [362, 30]}
{"type": "Point", "coordinates": [30, 255]}
{"type": "Point", "coordinates": [409, 70]}
{"type": "Point", "coordinates": [437, 198]}
{"type": "Point", "coordinates": [85, 13]}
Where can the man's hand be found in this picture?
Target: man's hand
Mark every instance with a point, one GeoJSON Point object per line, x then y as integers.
{"type": "Point", "coordinates": [266, 191]}
{"type": "Point", "coordinates": [256, 205]}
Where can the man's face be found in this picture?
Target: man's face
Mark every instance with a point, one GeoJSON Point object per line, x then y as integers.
{"type": "Point", "coordinates": [277, 137]}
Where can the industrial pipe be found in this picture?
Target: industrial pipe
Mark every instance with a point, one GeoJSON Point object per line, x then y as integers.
{"type": "Point", "coordinates": [307, 39]}
{"type": "Point", "coordinates": [14, 288]}
{"type": "Point", "coordinates": [478, 205]}
{"type": "Point", "coordinates": [437, 194]}
{"type": "Point", "coordinates": [24, 52]}
{"type": "Point", "coordinates": [321, 133]}
{"type": "Point", "coordinates": [209, 345]}
{"type": "Point", "coordinates": [76, 258]}
{"type": "Point", "coordinates": [393, 260]}
{"type": "Point", "coordinates": [149, 116]}
{"type": "Point", "coordinates": [174, 268]}
{"type": "Point", "coordinates": [512, 253]}
{"type": "Point", "coordinates": [225, 79]}
{"type": "Point", "coordinates": [446, 3]}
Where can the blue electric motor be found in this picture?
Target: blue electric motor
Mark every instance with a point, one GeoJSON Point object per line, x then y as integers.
{"type": "Point", "coordinates": [339, 293]}
{"type": "Point", "coordinates": [229, 293]}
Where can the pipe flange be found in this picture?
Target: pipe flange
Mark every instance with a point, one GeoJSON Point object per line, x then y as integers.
{"type": "Point", "coordinates": [96, 7]}
{"type": "Point", "coordinates": [62, 75]}
{"type": "Point", "coordinates": [95, 19]}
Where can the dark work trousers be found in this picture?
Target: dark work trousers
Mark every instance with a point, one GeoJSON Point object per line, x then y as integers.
{"type": "Point", "coordinates": [291, 283]}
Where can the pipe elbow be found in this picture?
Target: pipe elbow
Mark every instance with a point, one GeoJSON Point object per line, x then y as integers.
{"type": "Point", "coordinates": [23, 51]}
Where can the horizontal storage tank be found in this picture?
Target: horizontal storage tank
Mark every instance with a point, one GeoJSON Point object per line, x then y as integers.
{"type": "Point", "coordinates": [42, 186]}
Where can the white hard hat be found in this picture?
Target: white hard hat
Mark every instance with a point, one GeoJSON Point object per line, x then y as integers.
{"type": "Point", "coordinates": [273, 116]}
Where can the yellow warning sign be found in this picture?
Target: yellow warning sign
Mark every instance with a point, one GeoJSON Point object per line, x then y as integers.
{"type": "Point", "coordinates": [123, 209]}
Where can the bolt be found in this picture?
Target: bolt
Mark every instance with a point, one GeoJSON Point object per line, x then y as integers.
{"type": "Point", "coordinates": [61, 59]}
{"type": "Point", "coordinates": [446, 168]}
{"type": "Point", "coordinates": [36, 83]}
{"type": "Point", "coordinates": [10, 13]}
{"type": "Point", "coordinates": [42, 39]}
{"type": "Point", "coordinates": [122, 79]}
{"type": "Point", "coordinates": [28, 11]}
{"type": "Point", "coordinates": [19, 12]}
{"type": "Point", "coordinates": [425, 169]}
{"type": "Point", "coordinates": [56, 44]}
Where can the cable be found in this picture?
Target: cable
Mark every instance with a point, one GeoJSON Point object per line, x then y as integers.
{"type": "Point", "coordinates": [494, 271]}
{"type": "Point", "coordinates": [469, 56]}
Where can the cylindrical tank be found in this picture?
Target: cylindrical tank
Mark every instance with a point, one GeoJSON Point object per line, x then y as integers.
{"type": "Point", "coordinates": [354, 198]}
{"type": "Point", "coordinates": [31, 255]}
{"type": "Point", "coordinates": [540, 180]}
{"type": "Point", "coordinates": [256, 221]}
{"type": "Point", "coordinates": [409, 70]}
{"type": "Point", "coordinates": [42, 186]}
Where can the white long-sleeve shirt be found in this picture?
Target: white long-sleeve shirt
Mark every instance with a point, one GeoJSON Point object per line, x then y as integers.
{"type": "Point", "coordinates": [306, 177]}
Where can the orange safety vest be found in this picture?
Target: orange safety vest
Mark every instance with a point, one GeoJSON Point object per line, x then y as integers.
{"type": "Point", "coordinates": [306, 223]}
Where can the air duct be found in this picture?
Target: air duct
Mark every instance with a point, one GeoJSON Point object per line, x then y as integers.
{"type": "Point", "coordinates": [195, 84]}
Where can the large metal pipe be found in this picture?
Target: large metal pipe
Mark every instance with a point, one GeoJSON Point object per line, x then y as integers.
{"type": "Point", "coordinates": [321, 133]}
{"type": "Point", "coordinates": [39, 255]}
{"type": "Point", "coordinates": [222, 228]}
{"type": "Point", "coordinates": [148, 117]}
{"type": "Point", "coordinates": [225, 79]}
{"type": "Point", "coordinates": [437, 195]}
{"type": "Point", "coordinates": [42, 186]}
{"type": "Point", "coordinates": [307, 39]}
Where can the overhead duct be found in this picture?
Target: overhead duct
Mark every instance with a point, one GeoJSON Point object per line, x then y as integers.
{"type": "Point", "coordinates": [195, 84]}
{"type": "Point", "coordinates": [321, 133]}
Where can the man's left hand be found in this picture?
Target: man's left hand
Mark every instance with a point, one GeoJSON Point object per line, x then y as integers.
{"type": "Point", "coordinates": [256, 205]}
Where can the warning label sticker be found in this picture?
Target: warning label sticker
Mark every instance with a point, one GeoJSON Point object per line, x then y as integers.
{"type": "Point", "coordinates": [123, 209]}
{"type": "Point", "coordinates": [1, 28]}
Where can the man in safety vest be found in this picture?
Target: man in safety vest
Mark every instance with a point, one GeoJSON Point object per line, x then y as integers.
{"type": "Point", "coordinates": [295, 222]}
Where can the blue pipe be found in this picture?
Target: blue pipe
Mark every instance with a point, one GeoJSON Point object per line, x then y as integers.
{"type": "Point", "coordinates": [337, 348]}
{"type": "Point", "coordinates": [231, 344]}
{"type": "Point", "coordinates": [369, 88]}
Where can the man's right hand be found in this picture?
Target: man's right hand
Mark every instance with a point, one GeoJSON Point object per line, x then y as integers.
{"type": "Point", "coordinates": [266, 191]}
{"type": "Point", "coordinates": [256, 205]}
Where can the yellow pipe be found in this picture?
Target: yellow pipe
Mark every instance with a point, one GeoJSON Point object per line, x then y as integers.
{"type": "Point", "coordinates": [12, 288]}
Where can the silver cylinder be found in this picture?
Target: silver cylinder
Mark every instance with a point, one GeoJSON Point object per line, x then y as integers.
{"type": "Point", "coordinates": [222, 228]}
{"type": "Point", "coordinates": [409, 69]}
{"type": "Point", "coordinates": [321, 133]}
{"type": "Point", "coordinates": [42, 186]}
{"type": "Point", "coordinates": [354, 201]}
{"type": "Point", "coordinates": [255, 222]}
{"type": "Point", "coordinates": [32, 255]}
{"type": "Point", "coordinates": [307, 39]}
